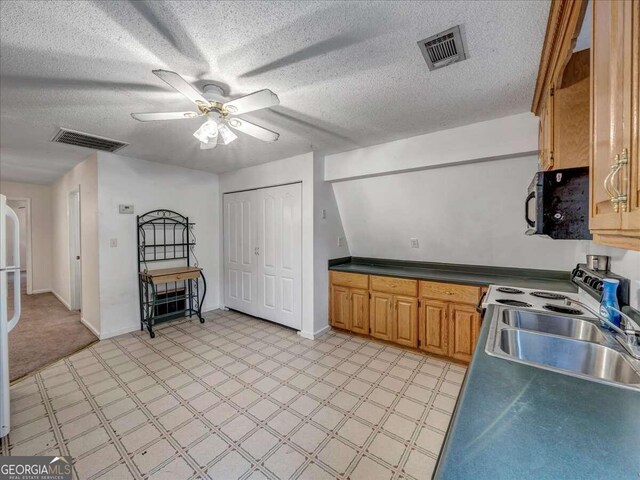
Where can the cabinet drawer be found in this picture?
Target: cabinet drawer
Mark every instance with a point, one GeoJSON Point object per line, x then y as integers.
{"type": "Point", "coordinates": [450, 292]}
{"type": "Point", "coordinates": [398, 286]}
{"type": "Point", "coordinates": [351, 280]}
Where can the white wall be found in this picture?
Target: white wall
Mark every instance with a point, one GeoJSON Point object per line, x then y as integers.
{"type": "Point", "coordinates": [84, 177]}
{"type": "Point", "coordinates": [326, 232]}
{"type": "Point", "coordinates": [470, 214]}
{"type": "Point", "coordinates": [149, 186]}
{"type": "Point", "coordinates": [289, 170]}
{"type": "Point", "coordinates": [41, 229]}
{"type": "Point", "coordinates": [515, 135]}
{"type": "Point", "coordinates": [625, 263]}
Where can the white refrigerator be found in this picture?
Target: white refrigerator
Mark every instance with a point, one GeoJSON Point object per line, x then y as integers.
{"type": "Point", "coordinates": [7, 273]}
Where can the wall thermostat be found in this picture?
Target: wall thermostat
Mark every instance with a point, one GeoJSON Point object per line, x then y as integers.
{"type": "Point", "coordinates": [126, 208]}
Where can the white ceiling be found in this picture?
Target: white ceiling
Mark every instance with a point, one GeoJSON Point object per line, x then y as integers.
{"type": "Point", "coordinates": [348, 74]}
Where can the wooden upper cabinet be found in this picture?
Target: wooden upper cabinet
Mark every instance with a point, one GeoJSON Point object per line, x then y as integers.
{"type": "Point", "coordinates": [359, 311]}
{"type": "Point", "coordinates": [381, 315]}
{"type": "Point", "coordinates": [464, 329]}
{"type": "Point", "coordinates": [545, 133]}
{"type": "Point", "coordinates": [570, 103]}
{"type": "Point", "coordinates": [434, 327]}
{"type": "Point", "coordinates": [614, 162]}
{"type": "Point", "coordinates": [340, 307]}
{"type": "Point", "coordinates": [561, 97]}
{"type": "Point", "coordinates": [631, 218]}
{"type": "Point", "coordinates": [406, 321]}
{"type": "Point", "coordinates": [608, 112]}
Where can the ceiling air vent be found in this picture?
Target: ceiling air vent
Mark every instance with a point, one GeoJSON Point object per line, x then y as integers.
{"type": "Point", "coordinates": [81, 139]}
{"type": "Point", "coordinates": [443, 49]}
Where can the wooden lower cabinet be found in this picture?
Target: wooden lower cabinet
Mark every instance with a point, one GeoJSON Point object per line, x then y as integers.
{"type": "Point", "coordinates": [464, 328]}
{"type": "Point", "coordinates": [406, 321]}
{"type": "Point", "coordinates": [438, 318]}
{"type": "Point", "coordinates": [340, 308]}
{"type": "Point", "coordinates": [449, 324]}
{"type": "Point", "coordinates": [381, 314]}
{"type": "Point", "coordinates": [359, 319]}
{"type": "Point", "coordinates": [434, 327]}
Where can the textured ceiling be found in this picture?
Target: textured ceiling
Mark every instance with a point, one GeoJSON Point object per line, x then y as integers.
{"type": "Point", "coordinates": [348, 74]}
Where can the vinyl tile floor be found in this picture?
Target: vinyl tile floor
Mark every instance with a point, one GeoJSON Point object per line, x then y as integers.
{"type": "Point", "coordinates": [237, 398]}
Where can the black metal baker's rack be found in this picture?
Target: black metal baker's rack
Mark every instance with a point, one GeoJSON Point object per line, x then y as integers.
{"type": "Point", "coordinates": [165, 236]}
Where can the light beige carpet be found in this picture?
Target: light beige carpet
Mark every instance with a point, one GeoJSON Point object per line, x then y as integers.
{"type": "Point", "coordinates": [47, 331]}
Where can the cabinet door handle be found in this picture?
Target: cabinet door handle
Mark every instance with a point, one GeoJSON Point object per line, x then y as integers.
{"type": "Point", "coordinates": [622, 196]}
{"type": "Point", "coordinates": [612, 170]}
{"type": "Point", "coordinates": [608, 182]}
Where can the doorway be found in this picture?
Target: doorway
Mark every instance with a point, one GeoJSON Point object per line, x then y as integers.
{"type": "Point", "coordinates": [263, 253]}
{"type": "Point", "coordinates": [22, 207]}
{"type": "Point", "coordinates": [75, 270]}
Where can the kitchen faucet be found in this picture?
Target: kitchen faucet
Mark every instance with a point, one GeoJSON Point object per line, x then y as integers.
{"type": "Point", "coordinates": [628, 337]}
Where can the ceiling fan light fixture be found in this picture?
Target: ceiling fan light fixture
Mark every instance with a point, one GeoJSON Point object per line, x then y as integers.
{"type": "Point", "coordinates": [212, 105]}
{"type": "Point", "coordinates": [208, 132]}
{"type": "Point", "coordinates": [227, 135]}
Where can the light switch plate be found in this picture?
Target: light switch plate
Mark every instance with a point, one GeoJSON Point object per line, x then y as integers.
{"type": "Point", "coordinates": [126, 208]}
{"type": "Point", "coordinates": [113, 242]}
{"type": "Point", "coordinates": [414, 243]}
{"type": "Point", "coordinates": [341, 241]}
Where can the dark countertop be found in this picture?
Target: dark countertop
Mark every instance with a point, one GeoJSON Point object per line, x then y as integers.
{"type": "Point", "coordinates": [518, 421]}
{"type": "Point", "coordinates": [463, 274]}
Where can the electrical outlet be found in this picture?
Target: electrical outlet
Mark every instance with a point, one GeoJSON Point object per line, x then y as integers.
{"type": "Point", "coordinates": [414, 243]}
{"type": "Point", "coordinates": [113, 242]}
{"type": "Point", "coordinates": [341, 241]}
{"type": "Point", "coordinates": [324, 214]}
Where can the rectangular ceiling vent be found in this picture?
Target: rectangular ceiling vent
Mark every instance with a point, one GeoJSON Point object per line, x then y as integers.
{"type": "Point", "coordinates": [443, 49]}
{"type": "Point", "coordinates": [81, 139]}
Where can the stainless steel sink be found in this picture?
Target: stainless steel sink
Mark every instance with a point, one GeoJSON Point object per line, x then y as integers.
{"type": "Point", "coordinates": [566, 345]}
{"type": "Point", "coordinates": [565, 326]}
{"type": "Point", "coordinates": [566, 354]}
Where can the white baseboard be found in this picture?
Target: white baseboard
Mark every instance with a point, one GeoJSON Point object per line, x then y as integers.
{"type": "Point", "coordinates": [133, 328]}
{"type": "Point", "coordinates": [212, 308]}
{"type": "Point", "coordinates": [90, 327]}
{"type": "Point", "coordinates": [120, 331]}
{"type": "Point", "coordinates": [314, 335]}
{"type": "Point", "coordinates": [42, 290]}
{"type": "Point", "coordinates": [62, 300]}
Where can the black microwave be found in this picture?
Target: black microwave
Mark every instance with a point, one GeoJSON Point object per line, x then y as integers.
{"type": "Point", "coordinates": [557, 204]}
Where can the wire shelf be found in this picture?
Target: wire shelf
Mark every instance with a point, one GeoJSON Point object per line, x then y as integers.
{"type": "Point", "coordinates": [163, 236]}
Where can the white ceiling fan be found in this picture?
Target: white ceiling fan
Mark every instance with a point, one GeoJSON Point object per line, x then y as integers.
{"type": "Point", "coordinates": [217, 114]}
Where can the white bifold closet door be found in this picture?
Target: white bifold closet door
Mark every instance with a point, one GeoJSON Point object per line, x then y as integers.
{"type": "Point", "coordinates": [263, 253]}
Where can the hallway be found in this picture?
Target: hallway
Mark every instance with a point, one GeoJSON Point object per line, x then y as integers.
{"type": "Point", "coordinates": [47, 331]}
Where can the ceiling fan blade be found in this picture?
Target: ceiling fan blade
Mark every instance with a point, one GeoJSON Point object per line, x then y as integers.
{"type": "Point", "coordinates": [254, 101]}
{"type": "Point", "coordinates": [180, 84]}
{"type": "Point", "coordinates": [249, 128]}
{"type": "Point", "coordinates": [150, 117]}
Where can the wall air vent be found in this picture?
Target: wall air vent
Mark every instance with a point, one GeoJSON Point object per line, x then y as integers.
{"type": "Point", "coordinates": [81, 139]}
{"type": "Point", "coordinates": [443, 49]}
